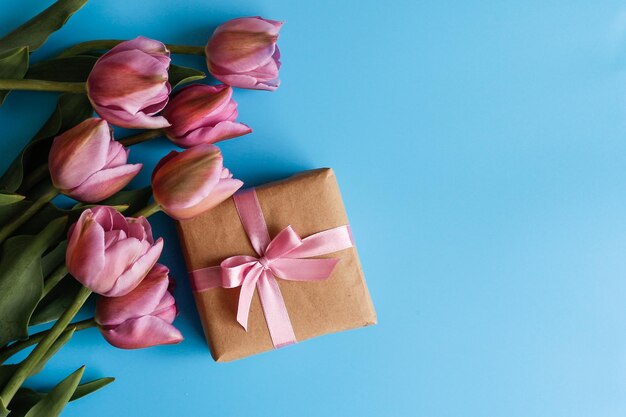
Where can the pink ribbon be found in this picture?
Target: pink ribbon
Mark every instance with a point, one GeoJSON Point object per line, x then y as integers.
{"type": "Point", "coordinates": [283, 257]}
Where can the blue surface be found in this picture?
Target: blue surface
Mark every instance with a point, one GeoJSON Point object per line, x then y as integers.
{"type": "Point", "coordinates": [481, 150]}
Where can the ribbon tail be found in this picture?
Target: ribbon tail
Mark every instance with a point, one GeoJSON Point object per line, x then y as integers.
{"type": "Point", "coordinates": [245, 297]}
{"type": "Point", "coordinates": [275, 310]}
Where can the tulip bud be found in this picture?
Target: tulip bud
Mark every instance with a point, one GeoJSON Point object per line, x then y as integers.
{"type": "Point", "coordinates": [243, 53]}
{"type": "Point", "coordinates": [202, 113]}
{"type": "Point", "coordinates": [87, 164]}
{"type": "Point", "coordinates": [110, 254]}
{"type": "Point", "coordinates": [143, 317]}
{"type": "Point", "coordinates": [128, 85]}
{"type": "Point", "coordinates": [191, 182]}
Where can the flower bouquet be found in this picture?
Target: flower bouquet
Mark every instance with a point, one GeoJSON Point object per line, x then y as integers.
{"type": "Point", "coordinates": [52, 258]}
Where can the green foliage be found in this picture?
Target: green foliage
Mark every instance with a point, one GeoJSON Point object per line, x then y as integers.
{"type": "Point", "coordinates": [54, 402]}
{"type": "Point", "coordinates": [21, 279]}
{"type": "Point", "coordinates": [26, 398]}
{"type": "Point", "coordinates": [36, 31]}
{"type": "Point", "coordinates": [13, 64]}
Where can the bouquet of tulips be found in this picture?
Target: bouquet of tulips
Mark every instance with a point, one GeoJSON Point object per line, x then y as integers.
{"type": "Point", "coordinates": [53, 259]}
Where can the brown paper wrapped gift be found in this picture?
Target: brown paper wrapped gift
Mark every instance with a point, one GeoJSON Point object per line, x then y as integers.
{"type": "Point", "coordinates": [310, 202]}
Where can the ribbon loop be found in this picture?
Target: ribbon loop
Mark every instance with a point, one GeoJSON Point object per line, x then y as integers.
{"type": "Point", "coordinates": [287, 256]}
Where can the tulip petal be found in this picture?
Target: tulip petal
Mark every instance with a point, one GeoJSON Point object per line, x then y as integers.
{"type": "Point", "coordinates": [78, 153]}
{"type": "Point", "coordinates": [195, 106]}
{"type": "Point", "coordinates": [187, 177]}
{"type": "Point", "coordinates": [145, 225]}
{"type": "Point", "coordinates": [140, 120]}
{"type": "Point", "coordinates": [240, 52]}
{"type": "Point", "coordinates": [221, 131]}
{"type": "Point", "coordinates": [246, 81]}
{"type": "Point", "coordinates": [85, 250]}
{"type": "Point", "coordinates": [138, 269]}
{"type": "Point", "coordinates": [118, 155]}
{"type": "Point", "coordinates": [142, 301]}
{"type": "Point", "coordinates": [147, 45]}
{"type": "Point", "coordinates": [142, 332]}
{"type": "Point", "coordinates": [127, 80]}
{"type": "Point", "coordinates": [105, 183]}
{"type": "Point", "coordinates": [222, 191]}
{"type": "Point", "coordinates": [166, 310]}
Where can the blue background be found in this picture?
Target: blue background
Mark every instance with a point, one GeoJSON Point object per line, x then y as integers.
{"type": "Point", "coordinates": [481, 150]}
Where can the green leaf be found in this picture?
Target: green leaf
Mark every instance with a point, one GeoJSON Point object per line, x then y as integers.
{"type": "Point", "coordinates": [56, 302]}
{"type": "Point", "coordinates": [53, 259]}
{"type": "Point", "coordinates": [54, 402]}
{"type": "Point", "coordinates": [89, 387]}
{"type": "Point", "coordinates": [71, 109]}
{"type": "Point", "coordinates": [13, 64]}
{"type": "Point", "coordinates": [21, 279]}
{"type": "Point", "coordinates": [37, 30]}
{"type": "Point", "coordinates": [26, 398]}
{"type": "Point", "coordinates": [70, 69]}
{"type": "Point", "coordinates": [179, 75]}
{"type": "Point", "coordinates": [7, 199]}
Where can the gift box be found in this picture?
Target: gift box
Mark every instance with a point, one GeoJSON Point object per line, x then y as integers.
{"type": "Point", "coordinates": [274, 265]}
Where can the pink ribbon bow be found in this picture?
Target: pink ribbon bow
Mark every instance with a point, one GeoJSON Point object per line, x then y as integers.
{"type": "Point", "coordinates": [285, 257]}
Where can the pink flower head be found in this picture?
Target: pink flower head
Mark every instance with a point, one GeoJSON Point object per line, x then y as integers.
{"type": "Point", "coordinates": [110, 254]}
{"type": "Point", "coordinates": [243, 53]}
{"type": "Point", "coordinates": [128, 85]}
{"type": "Point", "coordinates": [143, 317]}
{"type": "Point", "coordinates": [87, 164]}
{"type": "Point", "coordinates": [191, 182]}
{"type": "Point", "coordinates": [202, 113]}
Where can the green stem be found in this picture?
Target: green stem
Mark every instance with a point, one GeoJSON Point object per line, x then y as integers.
{"type": "Point", "coordinates": [103, 44]}
{"type": "Point", "coordinates": [141, 137]}
{"type": "Point", "coordinates": [42, 85]}
{"type": "Point", "coordinates": [148, 210]}
{"type": "Point", "coordinates": [37, 337]}
{"type": "Point", "coordinates": [8, 229]}
{"type": "Point", "coordinates": [20, 375]}
{"type": "Point", "coordinates": [53, 279]}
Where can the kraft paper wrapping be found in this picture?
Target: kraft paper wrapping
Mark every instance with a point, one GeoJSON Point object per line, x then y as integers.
{"type": "Point", "coordinates": [310, 202]}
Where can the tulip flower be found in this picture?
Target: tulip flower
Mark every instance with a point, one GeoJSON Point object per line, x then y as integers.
{"type": "Point", "coordinates": [202, 113]}
{"type": "Point", "coordinates": [185, 184]}
{"type": "Point", "coordinates": [87, 164]}
{"type": "Point", "coordinates": [110, 254]}
{"type": "Point", "coordinates": [128, 85]}
{"type": "Point", "coordinates": [243, 53]}
{"type": "Point", "coordinates": [143, 317]}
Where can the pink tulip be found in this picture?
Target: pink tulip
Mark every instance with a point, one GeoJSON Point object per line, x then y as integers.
{"type": "Point", "coordinates": [128, 85]}
{"type": "Point", "coordinates": [202, 113]}
{"type": "Point", "coordinates": [191, 182]}
{"type": "Point", "coordinates": [110, 254]}
{"type": "Point", "coordinates": [243, 53]}
{"type": "Point", "coordinates": [143, 317]}
{"type": "Point", "coordinates": [87, 164]}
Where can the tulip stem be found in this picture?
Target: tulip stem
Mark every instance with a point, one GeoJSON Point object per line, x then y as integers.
{"type": "Point", "coordinates": [42, 85]}
{"type": "Point", "coordinates": [141, 137]}
{"type": "Point", "coordinates": [7, 230]}
{"type": "Point", "coordinates": [11, 350]}
{"type": "Point", "coordinates": [148, 210]}
{"type": "Point", "coordinates": [104, 44]}
{"type": "Point", "coordinates": [53, 279]}
{"type": "Point", "coordinates": [26, 367]}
